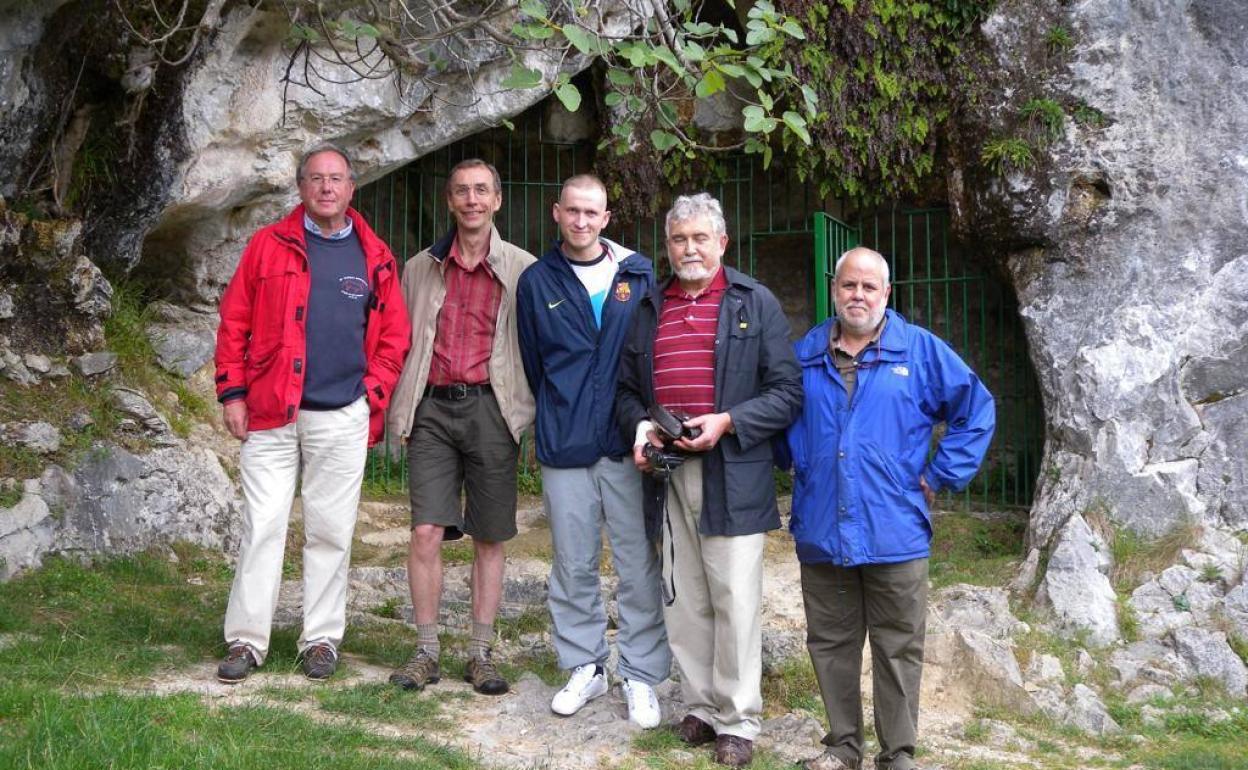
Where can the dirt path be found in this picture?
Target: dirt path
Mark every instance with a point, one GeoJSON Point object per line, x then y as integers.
{"type": "Point", "coordinates": [518, 730]}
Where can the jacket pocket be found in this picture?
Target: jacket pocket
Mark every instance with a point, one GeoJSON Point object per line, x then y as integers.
{"type": "Point", "coordinates": [268, 314]}
{"type": "Point", "coordinates": [750, 492]}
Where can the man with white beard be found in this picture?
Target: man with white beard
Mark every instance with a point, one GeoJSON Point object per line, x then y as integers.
{"type": "Point", "coordinates": [875, 387]}
{"type": "Point", "coordinates": [710, 345]}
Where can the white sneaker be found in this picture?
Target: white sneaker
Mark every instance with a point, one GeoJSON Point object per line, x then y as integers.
{"type": "Point", "coordinates": [643, 706]}
{"type": "Point", "coordinates": [583, 686]}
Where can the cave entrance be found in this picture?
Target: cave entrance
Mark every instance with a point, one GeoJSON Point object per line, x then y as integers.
{"type": "Point", "coordinates": [938, 284]}
{"type": "Point", "coordinates": [775, 224]}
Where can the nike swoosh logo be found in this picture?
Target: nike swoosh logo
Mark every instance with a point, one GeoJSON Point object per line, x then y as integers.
{"type": "Point", "coordinates": [553, 305]}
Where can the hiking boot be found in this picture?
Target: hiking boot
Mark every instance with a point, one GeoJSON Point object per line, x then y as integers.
{"type": "Point", "coordinates": [319, 661]}
{"type": "Point", "coordinates": [238, 663]}
{"type": "Point", "coordinates": [829, 761]}
{"type": "Point", "coordinates": [694, 731]}
{"type": "Point", "coordinates": [419, 670]}
{"type": "Point", "coordinates": [585, 684]}
{"type": "Point", "coordinates": [733, 750]}
{"type": "Point", "coordinates": [643, 705]}
{"type": "Point", "coordinates": [484, 676]}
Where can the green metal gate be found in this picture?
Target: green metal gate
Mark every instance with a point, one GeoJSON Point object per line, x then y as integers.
{"type": "Point", "coordinates": [408, 210]}
{"type": "Point", "coordinates": [937, 285]}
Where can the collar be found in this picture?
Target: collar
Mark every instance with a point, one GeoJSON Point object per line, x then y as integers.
{"type": "Point", "coordinates": [453, 255]}
{"type": "Point", "coordinates": [834, 334]}
{"type": "Point", "coordinates": [606, 254]}
{"type": "Point", "coordinates": [719, 283]}
{"type": "Point", "coordinates": [337, 235]}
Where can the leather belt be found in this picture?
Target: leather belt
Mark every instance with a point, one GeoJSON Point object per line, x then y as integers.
{"type": "Point", "coordinates": [456, 391]}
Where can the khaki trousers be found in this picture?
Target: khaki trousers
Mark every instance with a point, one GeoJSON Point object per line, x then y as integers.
{"type": "Point", "coordinates": [714, 625]}
{"type": "Point", "coordinates": [328, 449]}
{"type": "Point", "coordinates": [845, 606]}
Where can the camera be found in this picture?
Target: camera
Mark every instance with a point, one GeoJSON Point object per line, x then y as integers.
{"type": "Point", "coordinates": [670, 427]}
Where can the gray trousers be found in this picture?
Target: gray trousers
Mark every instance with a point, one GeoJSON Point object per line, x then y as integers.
{"type": "Point", "coordinates": [845, 606]}
{"type": "Point", "coordinates": [580, 502]}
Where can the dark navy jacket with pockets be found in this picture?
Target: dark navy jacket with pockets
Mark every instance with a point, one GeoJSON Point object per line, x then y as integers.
{"type": "Point", "coordinates": [570, 363]}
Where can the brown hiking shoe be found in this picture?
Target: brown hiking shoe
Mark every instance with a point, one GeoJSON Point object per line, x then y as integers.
{"type": "Point", "coordinates": [733, 750]}
{"type": "Point", "coordinates": [484, 676]}
{"type": "Point", "coordinates": [694, 731]}
{"type": "Point", "coordinates": [238, 663]}
{"type": "Point", "coordinates": [419, 670]}
{"type": "Point", "coordinates": [319, 661]}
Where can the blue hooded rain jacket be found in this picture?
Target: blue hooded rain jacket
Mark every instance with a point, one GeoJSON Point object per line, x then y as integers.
{"type": "Point", "coordinates": [856, 498]}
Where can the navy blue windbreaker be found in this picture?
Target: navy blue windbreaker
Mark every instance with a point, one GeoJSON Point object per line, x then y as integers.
{"type": "Point", "coordinates": [570, 363]}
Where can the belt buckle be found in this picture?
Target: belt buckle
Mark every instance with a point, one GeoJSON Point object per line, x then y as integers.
{"type": "Point", "coordinates": [458, 391]}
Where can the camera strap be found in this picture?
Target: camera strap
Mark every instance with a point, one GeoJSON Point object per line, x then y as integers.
{"type": "Point", "coordinates": [668, 563]}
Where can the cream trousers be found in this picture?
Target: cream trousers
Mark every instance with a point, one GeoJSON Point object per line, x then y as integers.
{"type": "Point", "coordinates": [328, 450]}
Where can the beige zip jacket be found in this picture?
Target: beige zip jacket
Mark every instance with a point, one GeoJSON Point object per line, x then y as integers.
{"type": "Point", "coordinates": [424, 290]}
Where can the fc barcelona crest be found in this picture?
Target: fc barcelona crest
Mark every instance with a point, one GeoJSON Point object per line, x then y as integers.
{"type": "Point", "coordinates": [623, 292]}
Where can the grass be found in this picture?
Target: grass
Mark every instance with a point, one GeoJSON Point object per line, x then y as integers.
{"type": "Point", "coordinates": [1135, 555]}
{"type": "Point", "coordinates": [1058, 39]}
{"type": "Point", "coordinates": [793, 687]}
{"type": "Point", "coordinates": [1006, 155]}
{"type": "Point", "coordinates": [1046, 116]}
{"type": "Point", "coordinates": [966, 549]}
{"type": "Point", "coordinates": [55, 730]}
{"type": "Point", "coordinates": [383, 702]}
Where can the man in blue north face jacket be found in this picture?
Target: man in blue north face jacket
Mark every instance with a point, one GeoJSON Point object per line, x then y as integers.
{"type": "Point", "coordinates": [575, 307]}
{"type": "Point", "coordinates": [875, 386]}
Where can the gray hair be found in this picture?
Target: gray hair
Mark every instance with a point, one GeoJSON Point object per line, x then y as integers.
{"type": "Point", "coordinates": [319, 148]}
{"type": "Point", "coordinates": [688, 207]}
{"type": "Point", "coordinates": [878, 256]}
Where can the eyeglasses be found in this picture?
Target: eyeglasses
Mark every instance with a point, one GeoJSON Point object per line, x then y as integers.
{"type": "Point", "coordinates": [334, 180]}
{"type": "Point", "coordinates": [462, 190]}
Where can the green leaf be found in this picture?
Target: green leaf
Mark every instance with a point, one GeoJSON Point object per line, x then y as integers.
{"type": "Point", "coordinates": [729, 33]}
{"type": "Point", "coordinates": [766, 157]}
{"type": "Point", "coordinates": [711, 83]}
{"type": "Point", "coordinates": [667, 112]}
{"type": "Point", "coordinates": [619, 77]}
{"type": "Point", "coordinates": [759, 36]}
{"type": "Point", "coordinates": [765, 99]}
{"type": "Point", "coordinates": [508, 124]}
{"type": "Point", "coordinates": [793, 29]}
{"type": "Point", "coordinates": [663, 141]}
{"type": "Point", "coordinates": [757, 124]}
{"type": "Point", "coordinates": [693, 51]}
{"type": "Point", "coordinates": [305, 32]}
{"type": "Point", "coordinates": [731, 70]}
{"type": "Point", "coordinates": [797, 124]}
{"type": "Point", "coordinates": [570, 95]}
{"type": "Point", "coordinates": [700, 28]}
{"type": "Point", "coordinates": [534, 9]}
{"type": "Point", "coordinates": [812, 100]}
{"type": "Point", "coordinates": [584, 41]}
{"type": "Point", "coordinates": [665, 55]}
{"type": "Point", "coordinates": [522, 77]}
{"type": "Point", "coordinates": [532, 31]}
{"type": "Point", "coordinates": [613, 99]}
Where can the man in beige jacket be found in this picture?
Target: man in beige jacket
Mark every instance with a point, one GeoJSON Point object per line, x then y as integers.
{"type": "Point", "coordinates": [461, 405]}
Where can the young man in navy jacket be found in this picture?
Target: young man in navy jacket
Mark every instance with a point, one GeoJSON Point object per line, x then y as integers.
{"type": "Point", "coordinates": [575, 306]}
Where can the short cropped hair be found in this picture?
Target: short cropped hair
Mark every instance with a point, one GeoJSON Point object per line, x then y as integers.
{"type": "Point", "coordinates": [583, 182]}
{"type": "Point", "coordinates": [319, 148]}
{"type": "Point", "coordinates": [688, 207]}
{"type": "Point", "coordinates": [474, 163]}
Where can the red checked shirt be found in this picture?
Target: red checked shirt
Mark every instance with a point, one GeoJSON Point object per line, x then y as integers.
{"type": "Point", "coordinates": [466, 323]}
{"type": "Point", "coordinates": [684, 348]}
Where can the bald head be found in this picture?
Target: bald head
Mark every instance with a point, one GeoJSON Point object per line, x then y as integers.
{"type": "Point", "coordinates": [864, 255]}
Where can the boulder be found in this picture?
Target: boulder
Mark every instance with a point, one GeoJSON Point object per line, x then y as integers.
{"type": "Point", "coordinates": [93, 364]}
{"type": "Point", "coordinates": [1076, 586]}
{"type": "Point", "coordinates": [974, 608]}
{"type": "Point", "coordinates": [1088, 713]}
{"type": "Point", "coordinates": [1209, 655]}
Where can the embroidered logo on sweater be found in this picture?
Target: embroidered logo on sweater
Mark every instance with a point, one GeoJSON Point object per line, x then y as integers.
{"type": "Point", "coordinates": [901, 371]}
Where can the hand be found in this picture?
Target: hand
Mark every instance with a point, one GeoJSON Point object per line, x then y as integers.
{"type": "Point", "coordinates": [235, 416]}
{"type": "Point", "coordinates": [713, 426]}
{"type": "Point", "coordinates": [639, 459]}
{"type": "Point", "coordinates": [928, 493]}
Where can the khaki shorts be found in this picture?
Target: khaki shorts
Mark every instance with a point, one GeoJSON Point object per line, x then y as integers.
{"type": "Point", "coordinates": [463, 445]}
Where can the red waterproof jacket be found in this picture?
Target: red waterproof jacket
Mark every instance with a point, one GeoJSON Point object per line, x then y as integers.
{"type": "Point", "coordinates": [261, 343]}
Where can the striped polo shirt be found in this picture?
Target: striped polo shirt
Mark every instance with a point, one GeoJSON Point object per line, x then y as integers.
{"type": "Point", "coordinates": [684, 348]}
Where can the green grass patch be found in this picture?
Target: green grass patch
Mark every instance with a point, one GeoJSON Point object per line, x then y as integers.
{"type": "Point", "coordinates": [792, 687]}
{"type": "Point", "coordinates": [1005, 155]}
{"type": "Point", "coordinates": [54, 731]}
{"type": "Point", "coordinates": [1134, 555]}
{"type": "Point", "coordinates": [530, 621]}
{"type": "Point", "coordinates": [966, 549]}
{"type": "Point", "coordinates": [383, 702]}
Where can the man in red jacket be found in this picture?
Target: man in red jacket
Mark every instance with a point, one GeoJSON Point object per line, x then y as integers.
{"type": "Point", "coordinates": [312, 339]}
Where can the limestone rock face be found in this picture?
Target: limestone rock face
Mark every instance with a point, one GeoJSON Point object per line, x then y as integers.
{"type": "Point", "coordinates": [1128, 246]}
{"type": "Point", "coordinates": [1076, 586]}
